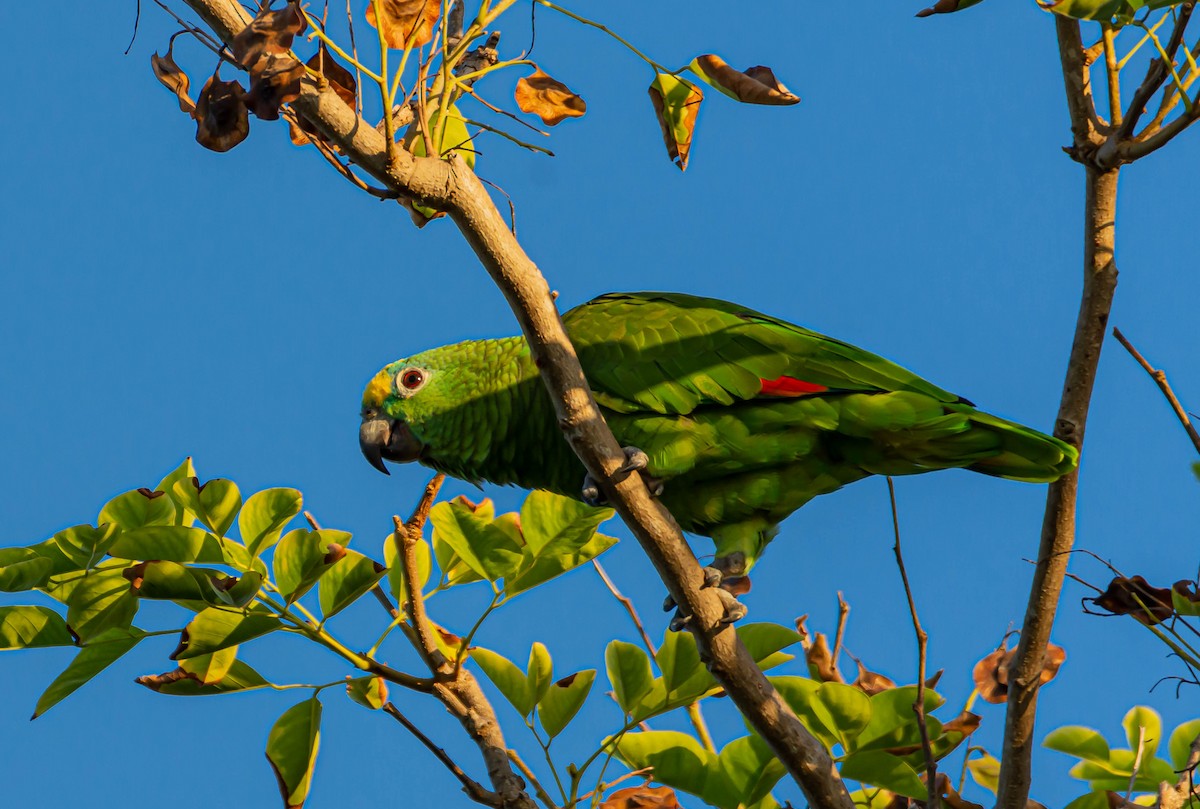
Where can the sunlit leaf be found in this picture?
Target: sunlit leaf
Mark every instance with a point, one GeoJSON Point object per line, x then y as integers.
{"type": "Point", "coordinates": [843, 709]}
{"type": "Point", "coordinates": [181, 683]}
{"type": "Point", "coordinates": [1180, 744]}
{"type": "Point", "coordinates": [303, 557]}
{"type": "Point", "coordinates": [217, 628]}
{"type": "Point", "coordinates": [215, 503]}
{"type": "Point", "coordinates": [102, 600]}
{"type": "Point", "coordinates": [677, 758]}
{"type": "Point", "coordinates": [171, 76]}
{"type": "Point", "coordinates": [629, 672]}
{"type": "Point", "coordinates": [482, 546]}
{"type": "Point", "coordinates": [405, 22]}
{"type": "Point", "coordinates": [395, 573]}
{"type": "Point", "coordinates": [559, 534]}
{"type": "Point", "coordinates": [1143, 722]}
{"type": "Point", "coordinates": [30, 627]}
{"type": "Point", "coordinates": [985, 770]}
{"type": "Point", "coordinates": [539, 671]}
{"type": "Point", "coordinates": [137, 509]}
{"type": "Point", "coordinates": [169, 543]}
{"type": "Point", "coordinates": [348, 580]}
{"type": "Point", "coordinates": [676, 103]}
{"type": "Point", "coordinates": [755, 85]}
{"type": "Point", "coordinates": [184, 471]}
{"type": "Point", "coordinates": [884, 770]}
{"type": "Point", "coordinates": [93, 658]}
{"type": "Point", "coordinates": [369, 692]}
{"type": "Point", "coordinates": [507, 677]}
{"type": "Point", "coordinates": [563, 699]}
{"type": "Point", "coordinates": [23, 569]}
{"type": "Point", "coordinates": [264, 515]}
{"type": "Point", "coordinates": [548, 98]}
{"type": "Point", "coordinates": [292, 750]}
{"type": "Point", "coordinates": [84, 545]}
{"type": "Point", "coordinates": [1078, 741]}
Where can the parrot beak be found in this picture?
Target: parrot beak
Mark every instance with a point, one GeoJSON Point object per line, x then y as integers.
{"type": "Point", "coordinates": [383, 439]}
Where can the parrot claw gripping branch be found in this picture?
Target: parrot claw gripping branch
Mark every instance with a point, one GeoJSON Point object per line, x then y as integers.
{"type": "Point", "coordinates": [737, 418]}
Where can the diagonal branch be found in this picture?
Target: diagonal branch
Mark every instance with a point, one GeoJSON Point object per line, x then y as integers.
{"type": "Point", "coordinates": [1160, 379]}
{"type": "Point", "coordinates": [473, 788]}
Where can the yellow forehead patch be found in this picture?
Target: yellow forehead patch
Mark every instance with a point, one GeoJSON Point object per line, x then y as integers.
{"type": "Point", "coordinates": [379, 389]}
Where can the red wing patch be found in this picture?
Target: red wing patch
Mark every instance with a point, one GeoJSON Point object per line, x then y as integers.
{"type": "Point", "coordinates": [789, 386]}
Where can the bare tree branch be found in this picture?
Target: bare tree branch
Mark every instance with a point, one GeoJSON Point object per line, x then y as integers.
{"type": "Point", "coordinates": [473, 788]}
{"type": "Point", "coordinates": [1160, 379]}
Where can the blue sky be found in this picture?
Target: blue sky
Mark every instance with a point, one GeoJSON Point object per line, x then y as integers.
{"type": "Point", "coordinates": [158, 300]}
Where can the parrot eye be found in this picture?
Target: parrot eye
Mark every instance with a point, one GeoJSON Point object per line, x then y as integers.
{"type": "Point", "coordinates": [410, 380]}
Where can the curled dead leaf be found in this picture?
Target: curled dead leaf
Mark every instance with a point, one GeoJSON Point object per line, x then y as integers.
{"type": "Point", "coordinates": [965, 723]}
{"type": "Point", "coordinates": [274, 81]}
{"type": "Point", "coordinates": [148, 494]}
{"type": "Point", "coordinates": [755, 85]}
{"type": "Point", "coordinates": [341, 81]}
{"type": "Point", "coordinates": [946, 7]}
{"type": "Point", "coordinates": [871, 682]}
{"type": "Point", "coordinates": [171, 76]}
{"type": "Point", "coordinates": [1137, 597]}
{"type": "Point", "coordinates": [643, 797]}
{"type": "Point", "coordinates": [156, 681]}
{"type": "Point", "coordinates": [991, 673]}
{"type": "Point", "coordinates": [221, 121]}
{"type": "Point", "coordinates": [676, 104]}
{"type": "Point", "coordinates": [820, 660]}
{"type": "Point", "coordinates": [548, 98]}
{"type": "Point", "coordinates": [269, 33]}
{"type": "Point", "coordinates": [405, 22]}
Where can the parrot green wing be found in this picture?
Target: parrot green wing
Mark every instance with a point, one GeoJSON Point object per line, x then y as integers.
{"type": "Point", "coordinates": [670, 353]}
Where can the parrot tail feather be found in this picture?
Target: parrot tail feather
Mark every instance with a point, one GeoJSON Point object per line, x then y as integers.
{"type": "Point", "coordinates": [1025, 454]}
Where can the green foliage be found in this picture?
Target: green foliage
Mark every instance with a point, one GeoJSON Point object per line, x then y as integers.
{"type": "Point", "coordinates": [346, 581]}
{"type": "Point", "coordinates": [217, 628]}
{"type": "Point", "coordinates": [563, 699]}
{"type": "Point", "coordinates": [303, 557]}
{"type": "Point", "coordinates": [30, 627]}
{"type": "Point", "coordinates": [292, 750]}
{"type": "Point", "coordinates": [369, 692]}
{"type": "Point", "coordinates": [92, 659]}
{"type": "Point", "coordinates": [629, 672]}
{"type": "Point", "coordinates": [263, 516]}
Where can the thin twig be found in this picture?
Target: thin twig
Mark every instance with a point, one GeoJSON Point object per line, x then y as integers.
{"type": "Point", "coordinates": [406, 536]}
{"type": "Point", "coordinates": [935, 798]}
{"type": "Point", "coordinates": [843, 614]}
{"type": "Point", "coordinates": [629, 608]}
{"type": "Point", "coordinates": [475, 791]}
{"type": "Point", "coordinates": [644, 772]}
{"type": "Point", "coordinates": [1160, 379]}
{"type": "Point", "coordinates": [538, 789]}
{"type": "Point", "coordinates": [1137, 760]}
{"type": "Point", "coordinates": [1113, 74]}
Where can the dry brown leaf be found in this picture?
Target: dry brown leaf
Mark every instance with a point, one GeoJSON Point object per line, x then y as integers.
{"type": "Point", "coordinates": [270, 33]}
{"type": "Point", "coordinates": [643, 797]}
{"type": "Point", "coordinates": [965, 723]}
{"type": "Point", "coordinates": [221, 119]}
{"type": "Point", "coordinates": [1124, 594]}
{"type": "Point", "coordinates": [755, 85]}
{"type": "Point", "coordinates": [548, 98]}
{"type": "Point", "coordinates": [991, 673]}
{"type": "Point", "coordinates": [156, 681]}
{"type": "Point", "coordinates": [676, 105]}
{"type": "Point", "coordinates": [820, 661]}
{"type": "Point", "coordinates": [400, 17]}
{"type": "Point", "coordinates": [871, 682]}
{"type": "Point", "coordinates": [341, 81]}
{"type": "Point", "coordinates": [171, 76]}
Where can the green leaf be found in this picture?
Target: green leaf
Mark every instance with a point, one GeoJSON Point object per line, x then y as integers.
{"type": "Point", "coordinates": [303, 557]}
{"type": "Point", "coordinates": [800, 693]}
{"type": "Point", "coordinates": [1139, 717]}
{"type": "Point", "coordinates": [170, 543]}
{"type": "Point", "coordinates": [369, 692]}
{"type": "Point", "coordinates": [563, 699]}
{"type": "Point", "coordinates": [1100, 10]}
{"type": "Point", "coordinates": [263, 516]}
{"type": "Point", "coordinates": [211, 668]}
{"type": "Point", "coordinates": [455, 137]}
{"type": "Point", "coordinates": [171, 581]}
{"type": "Point", "coordinates": [347, 581]}
{"type": "Point", "coordinates": [30, 627]}
{"type": "Point", "coordinates": [137, 509]}
{"type": "Point", "coordinates": [185, 471]}
{"type": "Point", "coordinates": [483, 547]}
{"type": "Point", "coordinates": [677, 758]}
{"type": "Point", "coordinates": [180, 683]}
{"type": "Point", "coordinates": [873, 798]}
{"type": "Point", "coordinates": [292, 750]}
{"type": "Point", "coordinates": [217, 628]}
{"type": "Point", "coordinates": [747, 771]}
{"type": "Point", "coordinates": [539, 671]}
{"type": "Point", "coordinates": [1180, 744]}
{"type": "Point", "coordinates": [102, 600]}
{"type": "Point", "coordinates": [84, 545]}
{"type": "Point", "coordinates": [1080, 742]}
{"type": "Point", "coordinates": [101, 652]}
{"type": "Point", "coordinates": [215, 503]}
{"type": "Point", "coordinates": [883, 770]}
{"type": "Point", "coordinates": [676, 103]}
{"type": "Point", "coordinates": [764, 640]}
{"type": "Point", "coordinates": [844, 709]}
{"type": "Point", "coordinates": [893, 721]}
{"type": "Point", "coordinates": [395, 573]}
{"type": "Point", "coordinates": [629, 672]}
{"type": "Point", "coordinates": [985, 771]}
{"type": "Point", "coordinates": [23, 569]}
{"type": "Point", "coordinates": [1092, 800]}
{"type": "Point", "coordinates": [505, 675]}
{"type": "Point", "coordinates": [560, 535]}
{"type": "Point", "coordinates": [679, 660]}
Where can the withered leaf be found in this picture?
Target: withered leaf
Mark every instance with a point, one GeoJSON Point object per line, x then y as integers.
{"type": "Point", "coordinates": [1124, 594]}
{"type": "Point", "coordinates": [871, 682]}
{"type": "Point", "coordinates": [643, 797]}
{"type": "Point", "coordinates": [156, 681]}
{"type": "Point", "coordinates": [965, 723]}
{"type": "Point", "coordinates": [269, 33]}
{"type": "Point", "coordinates": [676, 104]}
{"type": "Point", "coordinates": [403, 19]}
{"type": "Point", "coordinates": [341, 81]}
{"type": "Point", "coordinates": [991, 673]}
{"type": "Point", "coordinates": [950, 796]}
{"type": "Point", "coordinates": [171, 76]}
{"type": "Point", "coordinates": [274, 81]}
{"type": "Point", "coordinates": [221, 119]}
{"type": "Point", "coordinates": [755, 85]}
{"type": "Point", "coordinates": [548, 98]}
{"type": "Point", "coordinates": [820, 660]}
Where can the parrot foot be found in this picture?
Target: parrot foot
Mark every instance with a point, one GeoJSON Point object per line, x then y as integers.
{"type": "Point", "coordinates": [635, 461]}
{"type": "Point", "coordinates": [728, 589]}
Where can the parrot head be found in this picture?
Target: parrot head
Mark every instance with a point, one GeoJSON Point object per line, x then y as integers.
{"type": "Point", "coordinates": [402, 394]}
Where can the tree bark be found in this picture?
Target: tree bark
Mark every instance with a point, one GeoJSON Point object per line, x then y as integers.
{"type": "Point", "coordinates": [1058, 525]}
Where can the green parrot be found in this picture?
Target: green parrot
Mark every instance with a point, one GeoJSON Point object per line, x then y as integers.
{"type": "Point", "coordinates": [735, 418]}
